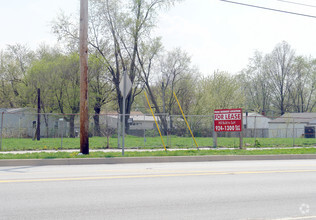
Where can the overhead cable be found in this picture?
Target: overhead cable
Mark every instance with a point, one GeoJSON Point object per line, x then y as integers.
{"type": "Point", "coordinates": [270, 9]}
{"type": "Point", "coordinates": [297, 3]}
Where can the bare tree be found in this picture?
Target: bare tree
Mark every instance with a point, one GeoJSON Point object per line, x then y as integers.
{"type": "Point", "coordinates": [100, 87]}
{"type": "Point", "coordinates": [173, 72]}
{"type": "Point", "coordinates": [117, 29]}
{"type": "Point", "coordinates": [256, 84]}
{"type": "Point", "coordinates": [280, 72]}
{"type": "Point", "coordinates": [15, 61]}
{"type": "Point", "coordinates": [302, 94]}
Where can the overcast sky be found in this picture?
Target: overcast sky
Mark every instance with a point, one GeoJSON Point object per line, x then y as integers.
{"type": "Point", "coordinates": [216, 34]}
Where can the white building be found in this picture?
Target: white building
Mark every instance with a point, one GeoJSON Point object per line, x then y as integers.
{"type": "Point", "coordinates": [137, 121]}
{"type": "Point", "coordinates": [255, 125]}
{"type": "Point", "coordinates": [255, 120]}
{"type": "Point", "coordinates": [293, 125]}
{"type": "Point", "coordinates": [21, 122]}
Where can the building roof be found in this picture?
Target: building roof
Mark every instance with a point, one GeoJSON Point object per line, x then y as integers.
{"type": "Point", "coordinates": [136, 116]}
{"type": "Point", "coordinates": [305, 117]}
{"type": "Point", "coordinates": [15, 110]}
{"type": "Point", "coordinates": [116, 113]}
{"type": "Point", "coordinates": [254, 114]}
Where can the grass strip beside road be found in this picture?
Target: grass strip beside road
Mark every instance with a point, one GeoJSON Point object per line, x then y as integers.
{"type": "Point", "coordinates": [22, 144]}
{"type": "Point", "coordinates": [46, 155]}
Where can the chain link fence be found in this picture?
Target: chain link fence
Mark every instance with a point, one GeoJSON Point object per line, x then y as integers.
{"type": "Point", "coordinates": [18, 131]}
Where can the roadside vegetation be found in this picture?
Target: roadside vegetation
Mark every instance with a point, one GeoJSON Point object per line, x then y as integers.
{"type": "Point", "coordinates": [172, 142]}
{"type": "Point", "coordinates": [46, 155]}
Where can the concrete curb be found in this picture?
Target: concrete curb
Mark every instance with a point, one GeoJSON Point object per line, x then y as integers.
{"type": "Point", "coordinates": [123, 160]}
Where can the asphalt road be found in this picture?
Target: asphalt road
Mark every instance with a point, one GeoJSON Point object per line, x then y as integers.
{"type": "Point", "coordinates": [208, 190]}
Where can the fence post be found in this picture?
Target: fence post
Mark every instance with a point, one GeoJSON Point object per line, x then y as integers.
{"type": "Point", "coordinates": [61, 120]}
{"type": "Point", "coordinates": [1, 130]}
{"type": "Point", "coordinates": [293, 132]}
{"type": "Point", "coordinates": [144, 130]}
{"type": "Point", "coordinates": [169, 131]}
{"type": "Point", "coordinates": [38, 129]}
{"type": "Point", "coordinates": [19, 126]}
{"type": "Point", "coordinates": [255, 130]}
{"type": "Point", "coordinates": [118, 130]}
{"type": "Point", "coordinates": [241, 143]}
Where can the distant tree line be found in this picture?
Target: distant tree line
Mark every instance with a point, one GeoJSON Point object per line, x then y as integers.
{"type": "Point", "coordinates": [280, 82]}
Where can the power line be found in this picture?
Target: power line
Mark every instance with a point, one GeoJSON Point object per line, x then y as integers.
{"type": "Point", "coordinates": [270, 9]}
{"type": "Point", "coordinates": [296, 3]}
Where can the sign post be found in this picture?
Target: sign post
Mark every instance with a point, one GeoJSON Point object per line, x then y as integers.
{"type": "Point", "coordinates": [229, 120]}
{"type": "Point", "coordinates": [214, 133]}
{"type": "Point", "coordinates": [125, 88]}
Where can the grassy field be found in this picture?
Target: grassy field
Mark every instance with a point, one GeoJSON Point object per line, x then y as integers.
{"type": "Point", "coordinates": [14, 144]}
{"type": "Point", "coordinates": [45, 155]}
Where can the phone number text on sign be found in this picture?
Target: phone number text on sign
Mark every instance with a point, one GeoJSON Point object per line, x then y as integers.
{"type": "Point", "coordinates": [228, 120]}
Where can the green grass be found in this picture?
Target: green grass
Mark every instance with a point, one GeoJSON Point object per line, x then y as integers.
{"type": "Point", "coordinates": [14, 144]}
{"type": "Point", "coordinates": [45, 155]}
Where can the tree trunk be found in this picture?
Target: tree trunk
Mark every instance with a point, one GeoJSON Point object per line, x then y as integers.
{"type": "Point", "coordinates": [97, 130]}
{"type": "Point", "coordinates": [72, 126]}
{"type": "Point", "coordinates": [107, 141]}
{"type": "Point", "coordinates": [46, 123]}
{"type": "Point", "coordinates": [163, 120]}
{"type": "Point", "coordinates": [96, 118]}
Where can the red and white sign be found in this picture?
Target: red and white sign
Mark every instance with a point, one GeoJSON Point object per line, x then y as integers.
{"type": "Point", "coordinates": [228, 120]}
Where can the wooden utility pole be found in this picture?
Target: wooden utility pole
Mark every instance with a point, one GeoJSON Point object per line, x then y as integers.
{"type": "Point", "coordinates": [84, 116]}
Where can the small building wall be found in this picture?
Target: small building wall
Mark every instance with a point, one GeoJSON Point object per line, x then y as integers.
{"type": "Point", "coordinates": [142, 125]}
{"type": "Point", "coordinates": [256, 121]}
{"type": "Point", "coordinates": [285, 130]}
{"type": "Point", "coordinates": [139, 122]}
{"type": "Point", "coordinates": [260, 132]}
{"type": "Point", "coordinates": [22, 126]}
{"type": "Point", "coordinates": [19, 124]}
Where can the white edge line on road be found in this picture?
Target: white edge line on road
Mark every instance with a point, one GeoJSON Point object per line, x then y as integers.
{"type": "Point", "coordinates": [296, 218]}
